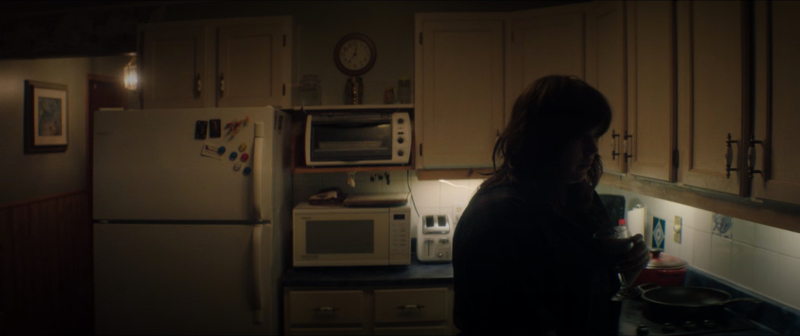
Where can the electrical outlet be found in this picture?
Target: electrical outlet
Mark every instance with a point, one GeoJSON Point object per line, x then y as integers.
{"type": "Point", "coordinates": [677, 228]}
{"type": "Point", "coordinates": [457, 210]}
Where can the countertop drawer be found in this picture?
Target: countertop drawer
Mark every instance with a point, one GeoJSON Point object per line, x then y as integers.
{"type": "Point", "coordinates": [395, 331]}
{"type": "Point", "coordinates": [328, 331]}
{"type": "Point", "coordinates": [411, 305]}
{"type": "Point", "coordinates": [326, 307]}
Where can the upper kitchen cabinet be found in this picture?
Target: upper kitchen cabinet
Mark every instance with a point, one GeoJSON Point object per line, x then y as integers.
{"type": "Point", "coordinates": [173, 66]}
{"type": "Point", "coordinates": [713, 93]}
{"type": "Point", "coordinates": [649, 140]}
{"type": "Point", "coordinates": [606, 71]}
{"type": "Point", "coordinates": [459, 90]}
{"type": "Point", "coordinates": [544, 41]}
{"type": "Point", "coordinates": [777, 48]}
{"type": "Point", "coordinates": [217, 63]}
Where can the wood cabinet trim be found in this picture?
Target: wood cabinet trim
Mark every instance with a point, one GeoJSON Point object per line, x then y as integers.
{"type": "Point", "coordinates": [779, 215]}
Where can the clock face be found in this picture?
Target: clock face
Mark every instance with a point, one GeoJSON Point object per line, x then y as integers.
{"type": "Point", "coordinates": [354, 55]}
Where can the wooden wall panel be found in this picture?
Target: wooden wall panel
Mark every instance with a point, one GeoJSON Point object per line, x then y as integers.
{"type": "Point", "coordinates": [46, 266]}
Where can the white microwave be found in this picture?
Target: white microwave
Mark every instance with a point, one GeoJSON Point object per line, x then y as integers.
{"type": "Point", "coordinates": [346, 139]}
{"type": "Point", "coordinates": [350, 236]}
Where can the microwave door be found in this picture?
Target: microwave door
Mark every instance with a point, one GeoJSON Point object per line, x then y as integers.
{"type": "Point", "coordinates": [356, 141]}
{"type": "Point", "coordinates": [341, 240]}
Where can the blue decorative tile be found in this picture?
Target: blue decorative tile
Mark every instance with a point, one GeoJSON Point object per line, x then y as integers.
{"type": "Point", "coordinates": [722, 225]}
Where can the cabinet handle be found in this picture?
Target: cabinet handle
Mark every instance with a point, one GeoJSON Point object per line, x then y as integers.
{"type": "Point", "coordinates": [729, 156]}
{"type": "Point", "coordinates": [410, 306]}
{"type": "Point", "coordinates": [614, 137]}
{"type": "Point", "coordinates": [626, 156]}
{"type": "Point", "coordinates": [198, 84]}
{"type": "Point", "coordinates": [325, 309]}
{"type": "Point", "coordinates": [751, 158]}
{"type": "Point", "coordinates": [221, 85]}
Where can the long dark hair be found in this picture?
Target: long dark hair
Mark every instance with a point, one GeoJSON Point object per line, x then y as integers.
{"type": "Point", "coordinates": [552, 112]}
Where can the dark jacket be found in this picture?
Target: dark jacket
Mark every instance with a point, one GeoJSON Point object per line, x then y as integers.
{"type": "Point", "coordinates": [520, 268]}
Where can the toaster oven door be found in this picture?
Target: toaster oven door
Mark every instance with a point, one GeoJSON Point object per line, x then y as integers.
{"type": "Point", "coordinates": [356, 139]}
{"type": "Point", "coordinates": [339, 239]}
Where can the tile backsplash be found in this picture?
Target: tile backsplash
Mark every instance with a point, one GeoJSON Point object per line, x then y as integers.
{"type": "Point", "coordinates": [755, 256]}
{"type": "Point", "coordinates": [429, 197]}
{"type": "Point", "coordinates": [758, 257]}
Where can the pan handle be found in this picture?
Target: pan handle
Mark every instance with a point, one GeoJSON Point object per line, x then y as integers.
{"type": "Point", "coordinates": [648, 287]}
{"type": "Point", "coordinates": [753, 300]}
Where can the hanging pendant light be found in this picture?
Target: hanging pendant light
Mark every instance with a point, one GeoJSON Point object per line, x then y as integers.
{"type": "Point", "coordinates": [131, 78]}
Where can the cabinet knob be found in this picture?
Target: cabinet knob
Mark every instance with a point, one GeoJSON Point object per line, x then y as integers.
{"type": "Point", "coordinates": [729, 156]}
{"type": "Point", "coordinates": [751, 157]}
{"type": "Point", "coordinates": [221, 85]}
{"type": "Point", "coordinates": [198, 84]}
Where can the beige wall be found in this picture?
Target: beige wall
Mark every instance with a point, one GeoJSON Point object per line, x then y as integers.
{"type": "Point", "coordinates": [25, 177]}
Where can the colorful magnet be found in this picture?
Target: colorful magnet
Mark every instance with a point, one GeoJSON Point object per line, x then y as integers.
{"type": "Point", "coordinates": [233, 156]}
{"type": "Point", "coordinates": [246, 171]}
{"type": "Point", "coordinates": [221, 150]}
{"type": "Point", "coordinates": [245, 157]}
{"type": "Point", "coordinates": [214, 126]}
{"type": "Point", "coordinates": [237, 166]}
{"type": "Point", "coordinates": [242, 147]}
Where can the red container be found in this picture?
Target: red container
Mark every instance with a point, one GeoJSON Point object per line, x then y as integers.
{"type": "Point", "coordinates": [663, 270]}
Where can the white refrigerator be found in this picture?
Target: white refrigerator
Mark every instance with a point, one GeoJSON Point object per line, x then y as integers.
{"type": "Point", "coordinates": [188, 240]}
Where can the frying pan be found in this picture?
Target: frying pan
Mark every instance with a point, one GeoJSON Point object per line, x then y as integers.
{"type": "Point", "coordinates": [687, 301]}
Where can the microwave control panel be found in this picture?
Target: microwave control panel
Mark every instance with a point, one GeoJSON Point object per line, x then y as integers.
{"type": "Point", "coordinates": [400, 236]}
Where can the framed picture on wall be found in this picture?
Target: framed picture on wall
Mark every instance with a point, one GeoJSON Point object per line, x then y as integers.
{"type": "Point", "coordinates": [46, 116]}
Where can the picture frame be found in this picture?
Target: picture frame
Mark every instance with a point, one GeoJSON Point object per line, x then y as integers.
{"type": "Point", "coordinates": [46, 117]}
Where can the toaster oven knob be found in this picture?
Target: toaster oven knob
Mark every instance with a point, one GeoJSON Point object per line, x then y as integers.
{"type": "Point", "coordinates": [400, 120]}
{"type": "Point", "coordinates": [401, 140]}
{"type": "Point", "coordinates": [400, 152]}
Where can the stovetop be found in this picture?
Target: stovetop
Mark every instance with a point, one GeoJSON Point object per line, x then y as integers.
{"type": "Point", "coordinates": [636, 319]}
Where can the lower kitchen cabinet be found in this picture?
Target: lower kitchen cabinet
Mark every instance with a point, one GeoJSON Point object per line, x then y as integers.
{"type": "Point", "coordinates": [376, 310]}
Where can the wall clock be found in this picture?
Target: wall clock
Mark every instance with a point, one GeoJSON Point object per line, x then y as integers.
{"type": "Point", "coordinates": [355, 54]}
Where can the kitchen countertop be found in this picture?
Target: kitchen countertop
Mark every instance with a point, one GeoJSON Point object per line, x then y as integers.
{"type": "Point", "coordinates": [416, 273]}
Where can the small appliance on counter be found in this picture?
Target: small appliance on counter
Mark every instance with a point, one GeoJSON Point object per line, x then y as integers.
{"type": "Point", "coordinates": [337, 235]}
{"type": "Point", "coordinates": [435, 239]}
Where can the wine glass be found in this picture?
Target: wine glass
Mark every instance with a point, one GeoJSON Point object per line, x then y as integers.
{"type": "Point", "coordinates": [625, 278]}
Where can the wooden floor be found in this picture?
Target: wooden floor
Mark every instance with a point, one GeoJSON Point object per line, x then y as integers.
{"type": "Point", "coordinates": [46, 266]}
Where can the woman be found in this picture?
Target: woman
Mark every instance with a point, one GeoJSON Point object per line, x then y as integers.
{"type": "Point", "coordinates": [526, 260]}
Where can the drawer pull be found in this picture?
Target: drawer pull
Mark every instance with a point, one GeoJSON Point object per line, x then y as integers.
{"type": "Point", "coordinates": [325, 309]}
{"type": "Point", "coordinates": [411, 306]}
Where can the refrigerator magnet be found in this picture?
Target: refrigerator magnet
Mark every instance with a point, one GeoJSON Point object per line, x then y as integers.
{"type": "Point", "coordinates": [200, 128]}
{"type": "Point", "coordinates": [246, 171]}
{"type": "Point", "coordinates": [245, 157]}
{"type": "Point", "coordinates": [211, 151]}
{"type": "Point", "coordinates": [215, 128]}
{"type": "Point", "coordinates": [237, 166]}
{"type": "Point", "coordinates": [242, 147]}
{"type": "Point", "coordinates": [232, 156]}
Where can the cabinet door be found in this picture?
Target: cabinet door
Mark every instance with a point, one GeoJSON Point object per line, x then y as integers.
{"type": "Point", "coordinates": [650, 140]}
{"type": "Point", "coordinates": [459, 79]}
{"type": "Point", "coordinates": [712, 81]}
{"type": "Point", "coordinates": [250, 65]}
{"type": "Point", "coordinates": [173, 61]}
{"type": "Point", "coordinates": [777, 120]}
{"type": "Point", "coordinates": [548, 41]}
{"type": "Point", "coordinates": [605, 70]}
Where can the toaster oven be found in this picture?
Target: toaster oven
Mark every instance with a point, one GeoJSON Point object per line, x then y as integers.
{"type": "Point", "coordinates": [344, 139]}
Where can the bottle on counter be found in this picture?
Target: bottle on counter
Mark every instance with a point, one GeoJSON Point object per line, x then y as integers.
{"type": "Point", "coordinates": [404, 91]}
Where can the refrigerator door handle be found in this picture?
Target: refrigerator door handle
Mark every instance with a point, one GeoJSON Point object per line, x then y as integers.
{"type": "Point", "coordinates": [257, 304]}
{"type": "Point", "coordinates": [258, 148]}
